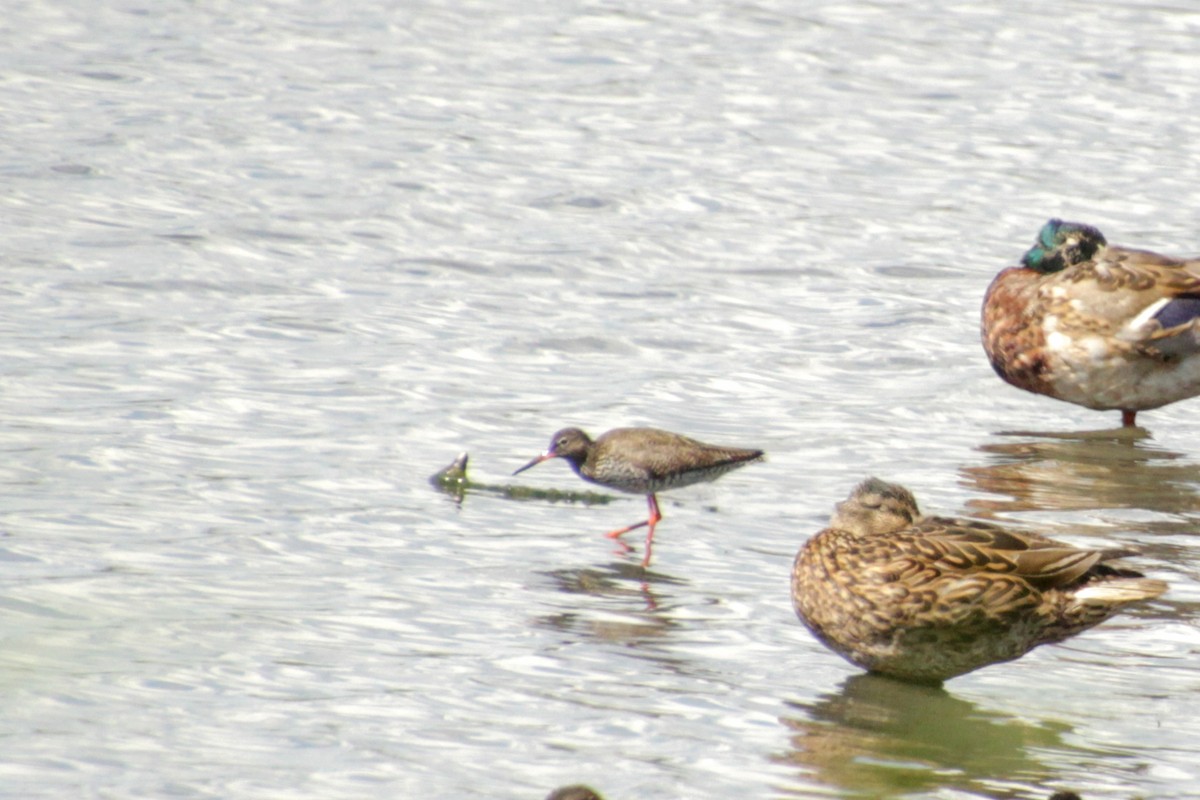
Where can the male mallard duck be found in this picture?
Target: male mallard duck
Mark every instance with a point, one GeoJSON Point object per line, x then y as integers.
{"type": "Point", "coordinates": [643, 461]}
{"type": "Point", "coordinates": [1098, 325]}
{"type": "Point", "coordinates": [928, 598]}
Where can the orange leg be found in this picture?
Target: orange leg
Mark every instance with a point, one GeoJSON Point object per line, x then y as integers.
{"type": "Point", "coordinates": [1127, 418]}
{"type": "Point", "coordinates": [655, 516]}
{"type": "Point", "coordinates": [627, 529]}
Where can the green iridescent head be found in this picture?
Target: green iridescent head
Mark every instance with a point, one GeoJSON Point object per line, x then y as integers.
{"type": "Point", "coordinates": [1063, 244]}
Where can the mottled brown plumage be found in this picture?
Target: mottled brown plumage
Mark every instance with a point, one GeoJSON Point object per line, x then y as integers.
{"type": "Point", "coordinates": [928, 598]}
{"type": "Point", "coordinates": [1094, 324]}
{"type": "Point", "coordinates": [643, 461]}
{"type": "Point", "coordinates": [575, 792]}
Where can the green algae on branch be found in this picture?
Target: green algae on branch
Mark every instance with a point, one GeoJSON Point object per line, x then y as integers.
{"type": "Point", "coordinates": [453, 481]}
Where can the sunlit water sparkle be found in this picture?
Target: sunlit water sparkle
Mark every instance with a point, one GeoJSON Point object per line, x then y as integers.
{"type": "Point", "coordinates": [270, 266]}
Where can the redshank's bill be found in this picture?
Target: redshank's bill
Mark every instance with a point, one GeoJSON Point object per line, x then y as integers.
{"type": "Point", "coordinates": [643, 461]}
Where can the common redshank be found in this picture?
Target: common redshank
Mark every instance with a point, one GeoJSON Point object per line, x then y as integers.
{"type": "Point", "coordinates": [643, 461]}
{"type": "Point", "coordinates": [578, 792]}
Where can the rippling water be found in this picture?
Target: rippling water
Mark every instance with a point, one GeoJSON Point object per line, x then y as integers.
{"type": "Point", "coordinates": [269, 266]}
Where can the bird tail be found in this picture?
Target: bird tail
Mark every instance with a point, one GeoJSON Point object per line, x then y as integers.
{"type": "Point", "coordinates": [1120, 591]}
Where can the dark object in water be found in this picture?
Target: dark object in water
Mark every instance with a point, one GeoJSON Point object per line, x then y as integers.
{"type": "Point", "coordinates": [453, 481]}
{"type": "Point", "coordinates": [578, 792]}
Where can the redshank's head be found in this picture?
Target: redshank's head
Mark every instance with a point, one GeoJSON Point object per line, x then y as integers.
{"type": "Point", "coordinates": [569, 443]}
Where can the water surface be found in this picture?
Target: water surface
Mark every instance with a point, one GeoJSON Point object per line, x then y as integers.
{"type": "Point", "coordinates": [268, 267]}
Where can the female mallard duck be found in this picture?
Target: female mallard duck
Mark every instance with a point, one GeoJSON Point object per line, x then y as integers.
{"type": "Point", "coordinates": [928, 598]}
{"type": "Point", "coordinates": [1094, 324]}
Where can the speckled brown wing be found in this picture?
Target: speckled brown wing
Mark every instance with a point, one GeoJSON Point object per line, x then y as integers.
{"type": "Point", "coordinates": [1120, 283]}
{"type": "Point", "coordinates": [1164, 294]}
{"type": "Point", "coordinates": [964, 546]}
{"type": "Point", "coordinates": [947, 572]}
{"type": "Point", "coordinates": [1119, 267]}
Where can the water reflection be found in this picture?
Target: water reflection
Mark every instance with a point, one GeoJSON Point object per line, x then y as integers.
{"type": "Point", "coordinates": [1119, 468]}
{"type": "Point", "coordinates": [883, 738]}
{"type": "Point", "coordinates": [635, 618]}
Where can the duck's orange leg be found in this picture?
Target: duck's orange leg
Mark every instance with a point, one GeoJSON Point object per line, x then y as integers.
{"type": "Point", "coordinates": [1127, 417]}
